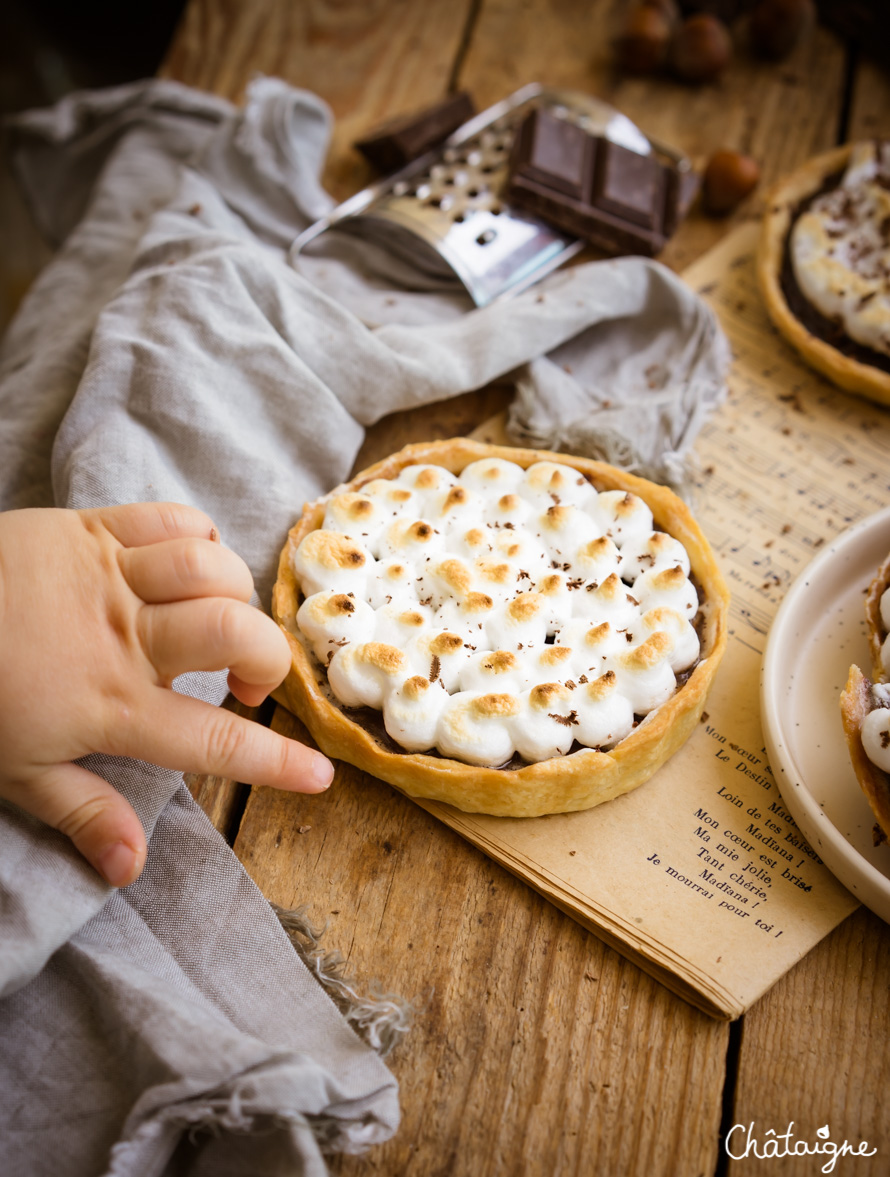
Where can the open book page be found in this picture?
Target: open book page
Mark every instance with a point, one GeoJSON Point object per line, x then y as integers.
{"type": "Point", "coordinates": [701, 876]}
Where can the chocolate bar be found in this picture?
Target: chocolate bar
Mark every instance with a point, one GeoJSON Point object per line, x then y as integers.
{"type": "Point", "coordinates": [584, 184]}
{"type": "Point", "coordinates": [407, 137]}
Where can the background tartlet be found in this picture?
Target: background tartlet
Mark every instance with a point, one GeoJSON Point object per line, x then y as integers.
{"type": "Point", "coordinates": [852, 374]}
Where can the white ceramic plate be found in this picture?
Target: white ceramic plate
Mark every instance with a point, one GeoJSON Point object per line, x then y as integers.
{"type": "Point", "coordinates": [817, 633]}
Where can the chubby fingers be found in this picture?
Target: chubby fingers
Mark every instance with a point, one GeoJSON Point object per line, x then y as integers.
{"type": "Point", "coordinates": [189, 735]}
{"type": "Point", "coordinates": [215, 633]}
{"type": "Point", "coordinates": [98, 820]}
{"type": "Point", "coordinates": [135, 524]}
{"type": "Point", "coordinates": [184, 569]}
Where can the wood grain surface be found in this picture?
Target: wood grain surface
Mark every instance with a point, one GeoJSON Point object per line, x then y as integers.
{"type": "Point", "coordinates": [814, 1047]}
{"type": "Point", "coordinates": [536, 1049]}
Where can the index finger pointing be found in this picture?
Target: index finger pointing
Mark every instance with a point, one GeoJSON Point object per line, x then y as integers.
{"type": "Point", "coordinates": [137, 524]}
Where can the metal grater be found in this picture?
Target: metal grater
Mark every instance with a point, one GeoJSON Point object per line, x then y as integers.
{"type": "Point", "coordinates": [447, 206]}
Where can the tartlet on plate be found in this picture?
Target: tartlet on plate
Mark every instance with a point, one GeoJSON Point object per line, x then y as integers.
{"type": "Point", "coordinates": [579, 779]}
{"type": "Point", "coordinates": [821, 339]}
{"type": "Point", "coordinates": [859, 699]}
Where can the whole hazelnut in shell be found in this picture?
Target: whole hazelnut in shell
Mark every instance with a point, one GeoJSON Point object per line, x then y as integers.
{"type": "Point", "coordinates": [776, 26]}
{"type": "Point", "coordinates": [701, 48]}
{"type": "Point", "coordinates": [643, 42]}
{"type": "Point", "coordinates": [729, 177]}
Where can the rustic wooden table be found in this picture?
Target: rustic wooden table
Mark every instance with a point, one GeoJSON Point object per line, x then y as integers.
{"type": "Point", "coordinates": [537, 1049]}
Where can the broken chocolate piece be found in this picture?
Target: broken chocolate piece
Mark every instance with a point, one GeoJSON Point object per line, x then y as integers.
{"type": "Point", "coordinates": [407, 137]}
{"type": "Point", "coordinates": [585, 184]}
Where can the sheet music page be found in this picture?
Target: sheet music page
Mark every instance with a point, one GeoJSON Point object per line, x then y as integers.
{"type": "Point", "coordinates": [700, 875]}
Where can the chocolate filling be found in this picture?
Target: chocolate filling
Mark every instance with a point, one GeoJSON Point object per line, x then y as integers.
{"type": "Point", "coordinates": [830, 331]}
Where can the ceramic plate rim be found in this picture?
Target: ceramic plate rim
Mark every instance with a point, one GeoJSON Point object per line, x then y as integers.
{"type": "Point", "coordinates": [865, 881]}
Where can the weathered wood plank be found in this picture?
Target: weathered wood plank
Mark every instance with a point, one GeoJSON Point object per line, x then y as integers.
{"type": "Point", "coordinates": [222, 798]}
{"type": "Point", "coordinates": [780, 114]}
{"type": "Point", "coordinates": [452, 418]}
{"type": "Point", "coordinates": [870, 105]}
{"type": "Point", "coordinates": [814, 1052]}
{"type": "Point", "coordinates": [369, 59]}
{"type": "Point", "coordinates": [533, 1041]}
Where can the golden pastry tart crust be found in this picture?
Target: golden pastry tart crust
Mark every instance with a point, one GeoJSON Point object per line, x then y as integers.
{"type": "Point", "coordinates": [874, 782]}
{"type": "Point", "coordinates": [577, 781]}
{"type": "Point", "coordinates": [782, 204]}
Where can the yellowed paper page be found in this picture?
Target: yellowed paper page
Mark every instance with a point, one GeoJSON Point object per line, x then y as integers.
{"type": "Point", "coordinates": [701, 876]}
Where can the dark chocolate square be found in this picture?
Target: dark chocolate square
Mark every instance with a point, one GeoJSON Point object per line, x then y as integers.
{"type": "Point", "coordinates": [629, 185]}
{"type": "Point", "coordinates": [558, 154]}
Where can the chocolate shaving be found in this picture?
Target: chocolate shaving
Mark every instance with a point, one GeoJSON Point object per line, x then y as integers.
{"type": "Point", "coordinates": [435, 668]}
{"type": "Point", "coordinates": [566, 720]}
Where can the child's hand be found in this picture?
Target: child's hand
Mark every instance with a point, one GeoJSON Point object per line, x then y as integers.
{"type": "Point", "coordinates": [99, 611]}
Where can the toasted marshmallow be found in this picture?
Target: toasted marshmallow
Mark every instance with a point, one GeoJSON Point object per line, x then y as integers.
{"type": "Point", "coordinates": [445, 579]}
{"type": "Point", "coordinates": [685, 641]}
{"type": "Point", "coordinates": [358, 516]}
{"type": "Point", "coordinates": [668, 587]}
{"type": "Point", "coordinates": [393, 497]}
{"type": "Point", "coordinates": [468, 616]}
{"type": "Point", "coordinates": [546, 722]}
{"type": "Point", "coordinates": [554, 663]}
{"type": "Point", "coordinates": [427, 482]}
{"type": "Point", "coordinates": [549, 484]}
{"type": "Point", "coordinates": [509, 511]}
{"type": "Point", "coordinates": [563, 530]}
{"type": "Point", "coordinates": [331, 620]}
{"type": "Point", "coordinates": [455, 509]}
{"type": "Point", "coordinates": [656, 550]}
{"type": "Point", "coordinates": [476, 728]}
{"type": "Point", "coordinates": [499, 579]}
{"type": "Point", "coordinates": [525, 552]}
{"type": "Point", "coordinates": [840, 251]}
{"type": "Point", "coordinates": [493, 477]}
{"type": "Point", "coordinates": [362, 674]}
{"type": "Point", "coordinates": [622, 516]}
{"type": "Point", "coordinates": [329, 560]}
{"type": "Point", "coordinates": [473, 544]}
{"type": "Point", "coordinates": [596, 559]}
{"type": "Point", "coordinates": [411, 713]}
{"type": "Point", "coordinates": [875, 728]}
{"type": "Point", "coordinates": [644, 673]}
{"type": "Point", "coordinates": [605, 716]}
{"type": "Point", "coordinates": [590, 645]}
{"type": "Point", "coordinates": [411, 539]}
{"type": "Point", "coordinates": [885, 609]}
{"type": "Point", "coordinates": [493, 670]}
{"type": "Point", "coordinates": [554, 588]}
{"type": "Point", "coordinates": [521, 622]}
{"type": "Point", "coordinates": [398, 625]}
{"type": "Point", "coordinates": [463, 605]}
{"type": "Point", "coordinates": [392, 580]}
{"type": "Point", "coordinates": [610, 601]}
{"type": "Point", "coordinates": [439, 655]}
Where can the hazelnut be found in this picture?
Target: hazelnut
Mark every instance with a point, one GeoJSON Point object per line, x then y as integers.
{"type": "Point", "coordinates": [669, 9]}
{"type": "Point", "coordinates": [643, 43]}
{"type": "Point", "coordinates": [777, 25]}
{"type": "Point", "coordinates": [729, 177]}
{"type": "Point", "coordinates": [701, 48]}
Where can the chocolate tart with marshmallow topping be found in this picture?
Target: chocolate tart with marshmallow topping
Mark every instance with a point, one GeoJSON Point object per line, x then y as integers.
{"type": "Point", "coordinates": [823, 265]}
{"type": "Point", "coordinates": [512, 632]}
{"type": "Point", "coordinates": [865, 707]}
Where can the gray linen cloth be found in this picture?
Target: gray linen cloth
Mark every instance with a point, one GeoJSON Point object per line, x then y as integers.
{"type": "Point", "coordinates": [173, 350]}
